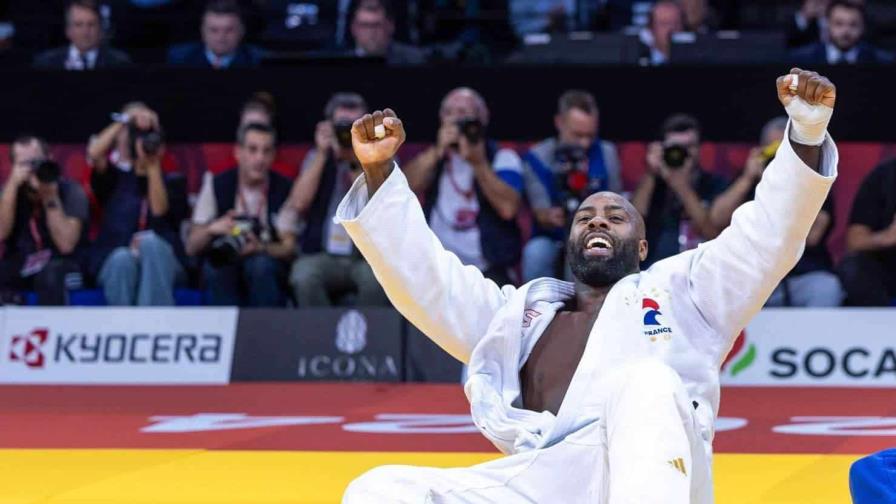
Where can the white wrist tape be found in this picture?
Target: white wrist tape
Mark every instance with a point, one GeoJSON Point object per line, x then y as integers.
{"type": "Point", "coordinates": [808, 123]}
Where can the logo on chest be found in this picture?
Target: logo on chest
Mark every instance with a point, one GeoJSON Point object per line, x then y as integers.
{"type": "Point", "coordinates": [653, 321]}
{"type": "Point", "coordinates": [528, 316]}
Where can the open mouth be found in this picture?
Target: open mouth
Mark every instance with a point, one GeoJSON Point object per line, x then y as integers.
{"type": "Point", "coordinates": [598, 246]}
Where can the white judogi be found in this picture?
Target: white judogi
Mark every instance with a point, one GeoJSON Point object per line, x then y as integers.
{"type": "Point", "coordinates": [636, 424]}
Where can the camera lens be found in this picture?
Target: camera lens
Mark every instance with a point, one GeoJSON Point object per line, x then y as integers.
{"type": "Point", "coordinates": [47, 171]}
{"type": "Point", "coordinates": [675, 156]}
{"type": "Point", "coordinates": [343, 131]}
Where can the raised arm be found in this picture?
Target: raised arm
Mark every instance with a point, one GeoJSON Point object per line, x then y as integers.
{"type": "Point", "coordinates": [731, 277]}
{"type": "Point", "coordinates": [451, 303]}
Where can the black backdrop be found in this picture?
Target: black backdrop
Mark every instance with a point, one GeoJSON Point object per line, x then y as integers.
{"type": "Point", "coordinates": [732, 103]}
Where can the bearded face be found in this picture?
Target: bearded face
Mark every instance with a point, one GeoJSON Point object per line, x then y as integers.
{"type": "Point", "coordinates": [606, 241]}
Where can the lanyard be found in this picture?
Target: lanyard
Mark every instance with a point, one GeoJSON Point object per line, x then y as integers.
{"type": "Point", "coordinates": [467, 194]}
{"type": "Point", "coordinates": [144, 215]}
{"type": "Point", "coordinates": [262, 205]}
{"type": "Point", "coordinates": [35, 232]}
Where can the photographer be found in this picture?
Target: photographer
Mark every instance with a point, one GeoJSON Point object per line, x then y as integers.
{"type": "Point", "coordinates": [138, 256]}
{"type": "Point", "coordinates": [242, 227]}
{"type": "Point", "coordinates": [675, 194]}
{"type": "Point", "coordinates": [472, 189]}
{"type": "Point", "coordinates": [812, 281]}
{"type": "Point", "coordinates": [330, 265]}
{"type": "Point", "coordinates": [559, 173]}
{"type": "Point", "coordinates": [42, 222]}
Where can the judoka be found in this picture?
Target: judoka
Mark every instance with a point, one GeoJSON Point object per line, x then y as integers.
{"type": "Point", "coordinates": [604, 390]}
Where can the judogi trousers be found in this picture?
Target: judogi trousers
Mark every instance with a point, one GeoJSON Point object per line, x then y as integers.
{"type": "Point", "coordinates": [646, 448]}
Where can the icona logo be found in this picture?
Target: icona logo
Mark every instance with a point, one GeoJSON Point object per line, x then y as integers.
{"type": "Point", "coordinates": [741, 356]}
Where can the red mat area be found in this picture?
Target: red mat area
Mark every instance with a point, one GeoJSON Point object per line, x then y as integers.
{"type": "Point", "coordinates": [370, 417]}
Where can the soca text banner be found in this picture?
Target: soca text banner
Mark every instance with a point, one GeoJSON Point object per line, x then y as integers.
{"type": "Point", "coordinates": [823, 347]}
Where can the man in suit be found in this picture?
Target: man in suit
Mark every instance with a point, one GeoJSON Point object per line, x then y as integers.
{"type": "Point", "coordinates": [373, 28]}
{"type": "Point", "coordinates": [844, 45]}
{"type": "Point", "coordinates": [85, 51]}
{"type": "Point", "coordinates": [222, 41]}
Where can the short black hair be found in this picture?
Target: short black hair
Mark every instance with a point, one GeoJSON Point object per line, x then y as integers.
{"type": "Point", "coordinates": [678, 123]}
{"type": "Point", "coordinates": [374, 5]}
{"type": "Point", "coordinates": [846, 4]}
{"type": "Point", "coordinates": [344, 100]}
{"type": "Point", "coordinates": [223, 7]}
{"type": "Point", "coordinates": [577, 99]}
{"type": "Point", "coordinates": [244, 131]}
{"type": "Point", "coordinates": [26, 139]}
{"type": "Point", "coordinates": [261, 100]}
{"type": "Point", "coordinates": [91, 5]}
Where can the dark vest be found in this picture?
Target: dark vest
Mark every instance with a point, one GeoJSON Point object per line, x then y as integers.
{"type": "Point", "coordinates": [316, 215]}
{"type": "Point", "coordinates": [500, 239]}
{"type": "Point", "coordinates": [21, 241]}
{"type": "Point", "coordinates": [225, 187]}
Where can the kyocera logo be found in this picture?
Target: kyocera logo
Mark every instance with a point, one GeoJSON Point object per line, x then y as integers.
{"type": "Point", "coordinates": [29, 348]}
{"type": "Point", "coordinates": [38, 349]}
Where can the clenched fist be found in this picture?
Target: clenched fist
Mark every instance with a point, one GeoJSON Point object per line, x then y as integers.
{"type": "Point", "coordinates": [812, 88]}
{"type": "Point", "coordinates": [376, 154]}
{"type": "Point", "coordinates": [810, 104]}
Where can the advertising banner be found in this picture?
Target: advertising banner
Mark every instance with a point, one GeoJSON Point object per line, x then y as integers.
{"type": "Point", "coordinates": [850, 347]}
{"type": "Point", "coordinates": [117, 345]}
{"type": "Point", "coordinates": [319, 344]}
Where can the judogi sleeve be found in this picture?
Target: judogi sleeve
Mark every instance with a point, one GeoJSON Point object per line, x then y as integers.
{"type": "Point", "coordinates": [731, 277]}
{"type": "Point", "coordinates": [451, 303]}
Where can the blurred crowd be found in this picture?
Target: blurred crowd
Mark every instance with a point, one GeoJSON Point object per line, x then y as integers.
{"type": "Point", "coordinates": [254, 237]}
{"type": "Point", "coordinates": [220, 34]}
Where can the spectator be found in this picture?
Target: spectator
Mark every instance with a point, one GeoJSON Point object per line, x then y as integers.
{"type": "Point", "coordinates": [222, 41]}
{"type": "Point", "coordinates": [812, 282]}
{"type": "Point", "coordinates": [808, 24]}
{"type": "Point", "coordinates": [675, 194]}
{"type": "Point", "coordinates": [330, 266]}
{"type": "Point", "coordinates": [869, 271]}
{"type": "Point", "coordinates": [242, 227]}
{"type": "Point", "coordinates": [258, 109]}
{"type": "Point", "coordinates": [373, 28]}
{"type": "Point", "coordinates": [86, 51]}
{"type": "Point", "coordinates": [845, 45]}
{"type": "Point", "coordinates": [138, 256]}
{"type": "Point", "coordinates": [559, 173]}
{"type": "Point", "coordinates": [42, 221]}
{"type": "Point", "coordinates": [472, 189]}
{"type": "Point", "coordinates": [551, 16]}
{"type": "Point", "coordinates": [698, 16]}
{"type": "Point", "coordinates": [666, 19]}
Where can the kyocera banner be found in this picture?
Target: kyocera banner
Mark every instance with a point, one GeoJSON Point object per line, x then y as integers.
{"type": "Point", "coordinates": [824, 347]}
{"type": "Point", "coordinates": [117, 345]}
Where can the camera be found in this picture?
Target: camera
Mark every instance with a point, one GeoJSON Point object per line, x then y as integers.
{"type": "Point", "coordinates": [343, 131]}
{"type": "Point", "coordinates": [472, 129]}
{"type": "Point", "coordinates": [769, 151]}
{"type": "Point", "coordinates": [570, 155]}
{"type": "Point", "coordinates": [152, 140]}
{"type": "Point", "coordinates": [226, 249]}
{"type": "Point", "coordinates": [675, 156]}
{"type": "Point", "coordinates": [46, 170]}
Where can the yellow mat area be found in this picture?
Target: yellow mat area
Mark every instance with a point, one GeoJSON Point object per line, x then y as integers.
{"type": "Point", "coordinates": [250, 477]}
